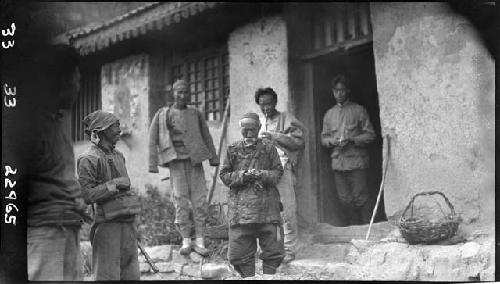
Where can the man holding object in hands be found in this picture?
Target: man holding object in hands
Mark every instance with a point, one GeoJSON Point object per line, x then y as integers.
{"type": "Point", "coordinates": [251, 169]}
{"type": "Point", "coordinates": [105, 182]}
{"type": "Point", "coordinates": [348, 131]}
{"type": "Point", "coordinates": [286, 133]}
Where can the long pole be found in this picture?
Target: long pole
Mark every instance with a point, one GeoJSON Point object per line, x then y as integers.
{"type": "Point", "coordinates": [386, 155]}
{"type": "Point", "coordinates": [221, 141]}
{"type": "Point", "coordinates": [148, 258]}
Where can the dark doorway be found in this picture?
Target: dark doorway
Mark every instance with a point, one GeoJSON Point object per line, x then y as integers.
{"type": "Point", "coordinates": [358, 65]}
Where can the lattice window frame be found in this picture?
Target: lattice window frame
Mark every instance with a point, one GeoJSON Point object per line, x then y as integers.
{"type": "Point", "coordinates": [88, 101]}
{"type": "Point", "coordinates": [208, 81]}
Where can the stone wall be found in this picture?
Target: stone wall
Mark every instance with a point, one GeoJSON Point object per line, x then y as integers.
{"type": "Point", "coordinates": [436, 93]}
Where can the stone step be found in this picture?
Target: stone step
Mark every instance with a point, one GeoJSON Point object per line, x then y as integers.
{"type": "Point", "coordinates": [375, 260]}
{"type": "Point", "coordinates": [327, 234]}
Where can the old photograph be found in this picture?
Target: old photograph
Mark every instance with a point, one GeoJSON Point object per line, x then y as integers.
{"type": "Point", "coordinates": [349, 141]}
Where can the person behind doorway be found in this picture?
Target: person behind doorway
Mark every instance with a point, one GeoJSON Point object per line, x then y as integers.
{"type": "Point", "coordinates": [179, 139]}
{"type": "Point", "coordinates": [104, 179]}
{"type": "Point", "coordinates": [251, 170]}
{"type": "Point", "coordinates": [285, 132]}
{"type": "Point", "coordinates": [56, 209]}
{"type": "Point", "coordinates": [347, 130]}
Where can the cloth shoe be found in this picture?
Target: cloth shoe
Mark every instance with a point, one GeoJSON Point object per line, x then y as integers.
{"type": "Point", "coordinates": [186, 246]}
{"type": "Point", "coordinates": [267, 276]}
{"type": "Point", "coordinates": [199, 247]}
{"type": "Point", "coordinates": [289, 256]}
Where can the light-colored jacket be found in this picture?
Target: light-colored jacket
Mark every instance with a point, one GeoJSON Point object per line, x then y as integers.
{"type": "Point", "coordinates": [348, 121]}
{"type": "Point", "coordinates": [196, 138]}
{"type": "Point", "coordinates": [290, 139]}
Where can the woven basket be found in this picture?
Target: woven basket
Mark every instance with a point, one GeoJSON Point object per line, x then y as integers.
{"type": "Point", "coordinates": [423, 231]}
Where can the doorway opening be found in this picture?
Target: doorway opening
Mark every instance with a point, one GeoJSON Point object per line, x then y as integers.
{"type": "Point", "coordinates": [358, 64]}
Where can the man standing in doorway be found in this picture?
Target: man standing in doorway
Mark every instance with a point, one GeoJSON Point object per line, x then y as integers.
{"type": "Point", "coordinates": [179, 139]}
{"type": "Point", "coordinates": [348, 131]}
{"type": "Point", "coordinates": [105, 183]}
{"type": "Point", "coordinates": [286, 133]}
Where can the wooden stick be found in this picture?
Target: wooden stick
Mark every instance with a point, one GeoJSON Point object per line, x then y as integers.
{"type": "Point", "coordinates": [381, 185]}
{"type": "Point", "coordinates": [221, 141]}
{"type": "Point", "coordinates": [148, 258]}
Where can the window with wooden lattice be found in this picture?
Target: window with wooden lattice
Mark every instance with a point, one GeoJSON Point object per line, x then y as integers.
{"type": "Point", "coordinates": [89, 100]}
{"type": "Point", "coordinates": [208, 80]}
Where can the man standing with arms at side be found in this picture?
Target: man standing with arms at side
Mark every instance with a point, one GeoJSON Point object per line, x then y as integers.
{"type": "Point", "coordinates": [104, 179]}
{"type": "Point", "coordinates": [56, 209]}
{"type": "Point", "coordinates": [348, 131]}
{"type": "Point", "coordinates": [179, 139]}
{"type": "Point", "coordinates": [286, 133]}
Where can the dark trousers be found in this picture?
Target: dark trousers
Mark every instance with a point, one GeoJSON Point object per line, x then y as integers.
{"type": "Point", "coordinates": [114, 252]}
{"type": "Point", "coordinates": [54, 253]}
{"type": "Point", "coordinates": [353, 195]}
{"type": "Point", "coordinates": [243, 246]}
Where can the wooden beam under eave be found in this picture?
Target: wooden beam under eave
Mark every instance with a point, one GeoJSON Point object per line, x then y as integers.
{"type": "Point", "coordinates": [149, 25]}
{"type": "Point", "coordinates": [193, 9]}
{"type": "Point", "coordinates": [339, 47]}
{"type": "Point", "coordinates": [158, 24]}
{"type": "Point", "coordinates": [351, 25]}
{"type": "Point", "coordinates": [339, 23]}
{"type": "Point", "coordinates": [167, 20]}
{"type": "Point", "coordinates": [142, 29]}
{"type": "Point", "coordinates": [177, 17]}
{"type": "Point", "coordinates": [135, 32]}
{"type": "Point", "coordinates": [365, 20]}
{"type": "Point", "coordinates": [329, 26]}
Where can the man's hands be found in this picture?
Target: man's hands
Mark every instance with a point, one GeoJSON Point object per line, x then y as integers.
{"type": "Point", "coordinates": [271, 136]}
{"type": "Point", "coordinates": [122, 183]}
{"type": "Point", "coordinates": [252, 175]}
{"type": "Point", "coordinates": [340, 142]}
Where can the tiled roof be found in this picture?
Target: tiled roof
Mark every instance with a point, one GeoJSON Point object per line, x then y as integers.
{"type": "Point", "coordinates": [153, 16]}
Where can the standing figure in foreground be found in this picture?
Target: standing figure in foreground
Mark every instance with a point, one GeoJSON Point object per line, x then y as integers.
{"type": "Point", "coordinates": [56, 209]}
{"type": "Point", "coordinates": [180, 140]}
{"type": "Point", "coordinates": [105, 183]}
{"type": "Point", "coordinates": [285, 132]}
{"type": "Point", "coordinates": [251, 169]}
{"type": "Point", "coordinates": [348, 131]}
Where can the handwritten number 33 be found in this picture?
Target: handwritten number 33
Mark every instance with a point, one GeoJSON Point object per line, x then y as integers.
{"type": "Point", "coordinates": [9, 32]}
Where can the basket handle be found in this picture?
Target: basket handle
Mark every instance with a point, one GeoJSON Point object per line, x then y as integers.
{"type": "Point", "coordinates": [428, 193]}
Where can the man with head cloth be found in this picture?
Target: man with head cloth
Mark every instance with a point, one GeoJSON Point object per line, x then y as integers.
{"type": "Point", "coordinates": [105, 183]}
{"type": "Point", "coordinates": [180, 140]}
{"type": "Point", "coordinates": [251, 169]}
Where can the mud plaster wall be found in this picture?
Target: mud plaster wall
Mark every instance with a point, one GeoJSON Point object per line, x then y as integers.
{"type": "Point", "coordinates": [258, 57]}
{"type": "Point", "coordinates": [125, 92]}
{"type": "Point", "coordinates": [436, 93]}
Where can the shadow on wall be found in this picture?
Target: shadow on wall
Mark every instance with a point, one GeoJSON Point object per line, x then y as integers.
{"type": "Point", "coordinates": [483, 15]}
